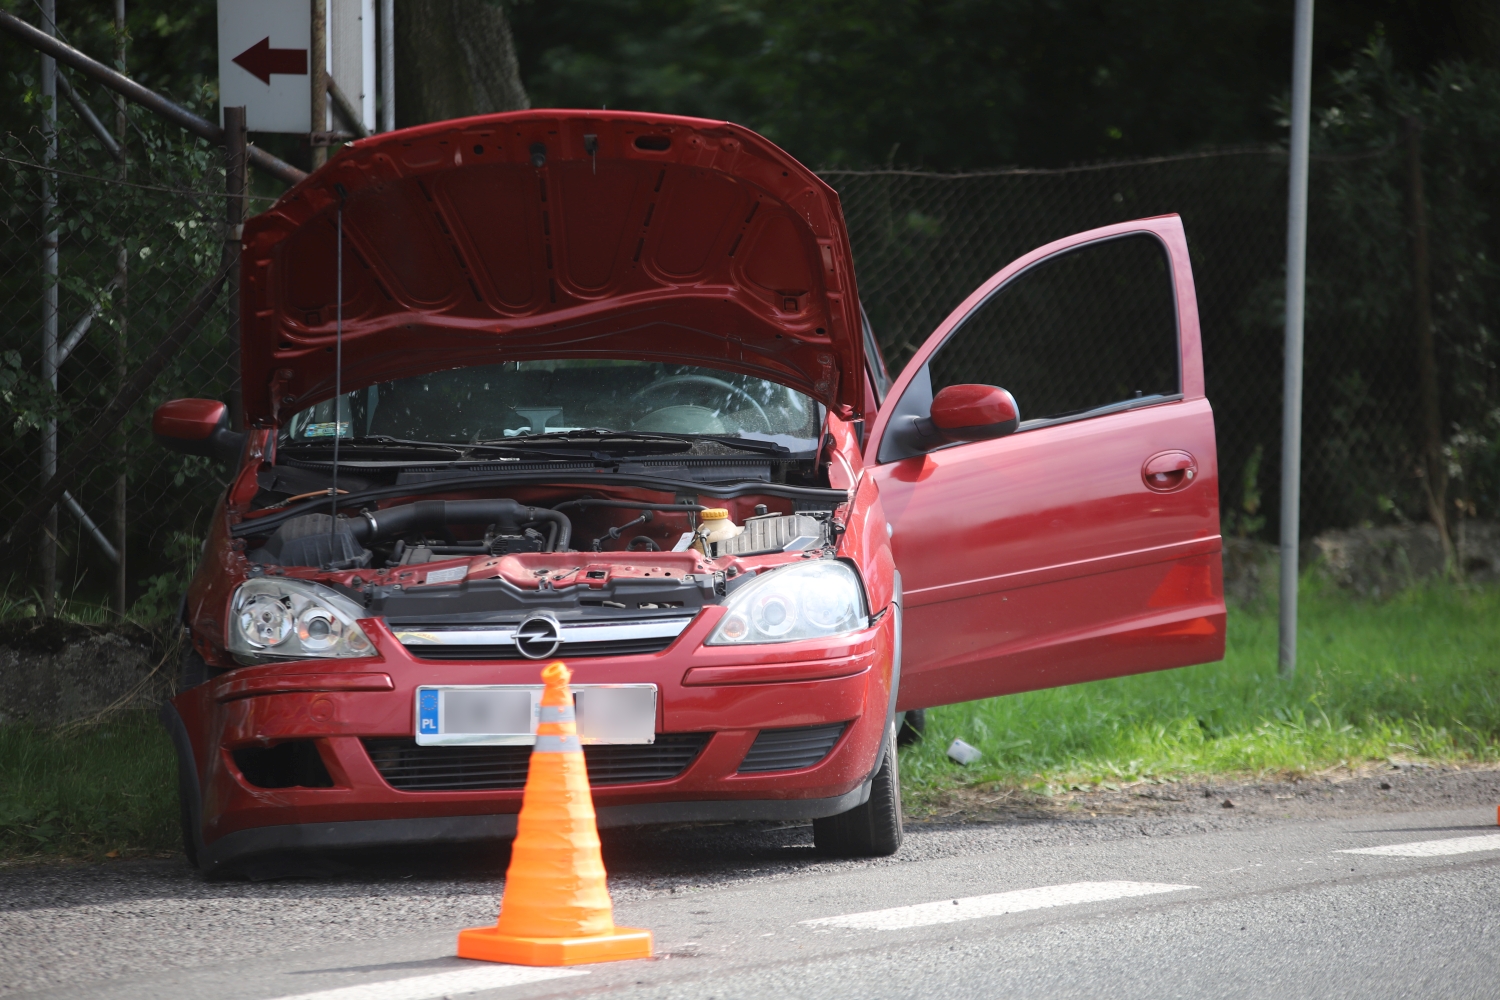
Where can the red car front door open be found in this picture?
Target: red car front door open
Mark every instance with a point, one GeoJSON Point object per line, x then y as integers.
{"type": "Point", "coordinates": [1086, 544]}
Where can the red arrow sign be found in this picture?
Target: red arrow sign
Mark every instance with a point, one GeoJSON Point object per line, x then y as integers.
{"type": "Point", "coordinates": [261, 61]}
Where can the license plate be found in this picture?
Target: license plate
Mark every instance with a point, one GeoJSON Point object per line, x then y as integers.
{"type": "Point", "coordinates": [506, 714]}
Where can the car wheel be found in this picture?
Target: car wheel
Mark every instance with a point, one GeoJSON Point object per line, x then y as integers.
{"type": "Point", "coordinates": [872, 830]}
{"type": "Point", "coordinates": [913, 727]}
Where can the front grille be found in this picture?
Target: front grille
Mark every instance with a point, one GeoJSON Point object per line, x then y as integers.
{"type": "Point", "coordinates": [571, 650]}
{"type": "Point", "coordinates": [791, 749]}
{"type": "Point", "coordinates": [607, 637]}
{"type": "Point", "coordinates": [411, 768]}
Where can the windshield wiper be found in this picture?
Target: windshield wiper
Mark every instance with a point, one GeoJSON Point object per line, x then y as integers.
{"type": "Point", "coordinates": [379, 440]}
{"type": "Point", "coordinates": [461, 451]}
{"type": "Point", "coordinates": [588, 439]}
{"type": "Point", "coordinates": [600, 437]}
{"type": "Point", "coordinates": [749, 444]}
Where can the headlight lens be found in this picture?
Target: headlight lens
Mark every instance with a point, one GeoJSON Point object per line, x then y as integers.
{"type": "Point", "coordinates": [803, 601]}
{"type": "Point", "coordinates": [292, 620]}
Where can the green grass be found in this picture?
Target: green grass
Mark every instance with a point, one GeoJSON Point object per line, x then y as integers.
{"type": "Point", "coordinates": [1411, 678]}
{"type": "Point", "coordinates": [85, 792]}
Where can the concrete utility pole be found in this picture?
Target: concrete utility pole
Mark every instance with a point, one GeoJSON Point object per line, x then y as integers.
{"type": "Point", "coordinates": [49, 306]}
{"type": "Point", "coordinates": [1296, 289]}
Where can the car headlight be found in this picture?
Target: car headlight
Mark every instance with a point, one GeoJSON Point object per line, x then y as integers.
{"type": "Point", "coordinates": [294, 620]}
{"type": "Point", "coordinates": [806, 600]}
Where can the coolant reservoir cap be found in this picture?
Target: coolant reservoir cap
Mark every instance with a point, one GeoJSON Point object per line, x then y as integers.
{"type": "Point", "coordinates": [714, 514]}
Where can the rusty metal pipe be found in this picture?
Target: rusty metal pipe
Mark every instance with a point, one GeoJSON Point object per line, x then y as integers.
{"type": "Point", "coordinates": [144, 96]}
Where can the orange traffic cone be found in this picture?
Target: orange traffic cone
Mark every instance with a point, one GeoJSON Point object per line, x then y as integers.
{"type": "Point", "coordinates": [556, 908]}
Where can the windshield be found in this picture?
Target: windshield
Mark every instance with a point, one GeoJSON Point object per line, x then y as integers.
{"type": "Point", "coordinates": [519, 399]}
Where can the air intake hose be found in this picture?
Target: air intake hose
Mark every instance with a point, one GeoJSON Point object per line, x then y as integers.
{"type": "Point", "coordinates": [506, 515]}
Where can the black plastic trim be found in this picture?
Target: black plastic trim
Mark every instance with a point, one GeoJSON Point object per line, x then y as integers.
{"type": "Point", "coordinates": [264, 525]}
{"type": "Point", "coordinates": [225, 853]}
{"type": "Point", "coordinates": [791, 749]}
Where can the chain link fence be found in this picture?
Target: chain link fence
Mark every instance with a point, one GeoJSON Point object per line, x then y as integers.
{"type": "Point", "coordinates": [923, 242]}
{"type": "Point", "coordinates": [138, 238]}
{"type": "Point", "coordinates": [137, 235]}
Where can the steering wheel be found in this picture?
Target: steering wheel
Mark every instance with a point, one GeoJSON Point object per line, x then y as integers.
{"type": "Point", "coordinates": [710, 382]}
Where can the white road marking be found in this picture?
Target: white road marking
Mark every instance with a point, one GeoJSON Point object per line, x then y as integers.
{"type": "Point", "coordinates": [1432, 848]}
{"type": "Point", "coordinates": [950, 911]}
{"type": "Point", "coordinates": [441, 984]}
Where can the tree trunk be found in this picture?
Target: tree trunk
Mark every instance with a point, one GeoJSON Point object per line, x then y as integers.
{"type": "Point", "coordinates": [454, 58]}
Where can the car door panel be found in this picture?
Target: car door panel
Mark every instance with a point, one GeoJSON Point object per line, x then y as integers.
{"type": "Point", "coordinates": [1052, 556]}
{"type": "Point", "coordinates": [1040, 590]}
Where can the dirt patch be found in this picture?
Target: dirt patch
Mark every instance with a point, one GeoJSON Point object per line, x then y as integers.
{"type": "Point", "coordinates": [1373, 563]}
{"type": "Point", "coordinates": [54, 672]}
{"type": "Point", "coordinates": [1373, 788]}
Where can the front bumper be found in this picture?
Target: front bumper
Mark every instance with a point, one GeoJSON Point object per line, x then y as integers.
{"type": "Point", "coordinates": [729, 693]}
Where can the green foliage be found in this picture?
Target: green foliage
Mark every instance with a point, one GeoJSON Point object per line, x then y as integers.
{"type": "Point", "coordinates": [949, 84]}
{"type": "Point", "coordinates": [163, 591]}
{"type": "Point", "coordinates": [163, 223]}
{"type": "Point", "coordinates": [1367, 208]}
{"type": "Point", "coordinates": [28, 399]}
{"type": "Point", "coordinates": [1413, 678]}
{"type": "Point", "coordinates": [107, 787]}
{"type": "Point", "coordinates": [1245, 521]}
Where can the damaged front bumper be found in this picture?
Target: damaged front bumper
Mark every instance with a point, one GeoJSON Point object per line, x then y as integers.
{"type": "Point", "coordinates": [788, 732]}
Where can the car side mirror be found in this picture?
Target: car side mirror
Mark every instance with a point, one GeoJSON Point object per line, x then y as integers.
{"type": "Point", "coordinates": [197, 427]}
{"type": "Point", "coordinates": [965, 413]}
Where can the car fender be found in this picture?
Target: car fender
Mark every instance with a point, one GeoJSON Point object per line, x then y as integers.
{"type": "Point", "coordinates": [890, 712]}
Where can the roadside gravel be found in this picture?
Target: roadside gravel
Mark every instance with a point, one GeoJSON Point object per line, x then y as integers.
{"type": "Point", "coordinates": [62, 923]}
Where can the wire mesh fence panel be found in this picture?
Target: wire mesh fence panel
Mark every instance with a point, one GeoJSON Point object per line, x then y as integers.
{"type": "Point", "coordinates": [135, 240]}
{"type": "Point", "coordinates": [923, 242]}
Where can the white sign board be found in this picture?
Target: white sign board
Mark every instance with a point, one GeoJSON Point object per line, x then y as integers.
{"type": "Point", "coordinates": [265, 65]}
{"type": "Point", "coordinates": [351, 57]}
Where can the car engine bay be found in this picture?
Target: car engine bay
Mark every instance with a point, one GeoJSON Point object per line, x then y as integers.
{"type": "Point", "coordinates": [582, 559]}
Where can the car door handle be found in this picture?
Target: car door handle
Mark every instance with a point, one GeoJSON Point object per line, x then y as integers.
{"type": "Point", "coordinates": [1167, 471]}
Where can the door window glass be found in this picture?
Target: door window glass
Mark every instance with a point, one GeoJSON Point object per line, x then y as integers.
{"type": "Point", "coordinates": [1086, 328]}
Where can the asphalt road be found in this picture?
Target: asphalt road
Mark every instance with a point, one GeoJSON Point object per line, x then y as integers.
{"type": "Point", "coordinates": [1155, 892]}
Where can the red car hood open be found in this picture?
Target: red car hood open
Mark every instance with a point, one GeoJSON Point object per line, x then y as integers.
{"type": "Point", "coordinates": [551, 234]}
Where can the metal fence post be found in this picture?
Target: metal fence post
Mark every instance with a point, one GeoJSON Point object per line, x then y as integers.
{"type": "Point", "coordinates": [122, 359]}
{"type": "Point", "coordinates": [234, 220]}
{"type": "Point", "coordinates": [49, 307]}
{"type": "Point", "coordinates": [387, 65]}
{"type": "Point", "coordinates": [1296, 288]}
{"type": "Point", "coordinates": [1435, 483]}
{"type": "Point", "coordinates": [319, 81]}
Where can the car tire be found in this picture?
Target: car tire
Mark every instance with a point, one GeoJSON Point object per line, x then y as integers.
{"type": "Point", "coordinates": [872, 830]}
{"type": "Point", "coordinates": [185, 818]}
{"type": "Point", "coordinates": [913, 727]}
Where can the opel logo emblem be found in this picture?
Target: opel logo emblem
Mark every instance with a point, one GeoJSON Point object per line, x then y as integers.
{"type": "Point", "coordinates": [538, 637]}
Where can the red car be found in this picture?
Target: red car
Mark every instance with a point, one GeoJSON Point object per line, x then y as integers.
{"type": "Point", "coordinates": [597, 386]}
